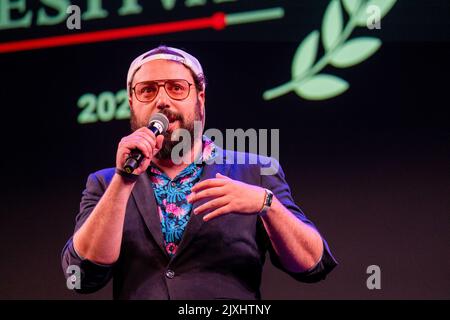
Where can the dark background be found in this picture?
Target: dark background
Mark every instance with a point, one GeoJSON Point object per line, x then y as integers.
{"type": "Point", "coordinates": [369, 167]}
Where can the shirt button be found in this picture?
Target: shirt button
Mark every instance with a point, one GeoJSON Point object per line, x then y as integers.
{"type": "Point", "coordinates": [170, 274]}
{"type": "Point", "coordinates": [173, 184]}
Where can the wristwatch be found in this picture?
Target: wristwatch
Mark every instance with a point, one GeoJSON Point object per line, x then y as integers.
{"type": "Point", "coordinates": [268, 196]}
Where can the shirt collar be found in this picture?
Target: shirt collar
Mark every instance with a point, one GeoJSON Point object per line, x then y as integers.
{"type": "Point", "coordinates": [209, 152]}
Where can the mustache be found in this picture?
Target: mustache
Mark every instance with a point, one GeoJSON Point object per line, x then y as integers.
{"type": "Point", "coordinates": [171, 115]}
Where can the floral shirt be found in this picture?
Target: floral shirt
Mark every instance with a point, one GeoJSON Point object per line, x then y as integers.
{"type": "Point", "coordinates": [174, 210]}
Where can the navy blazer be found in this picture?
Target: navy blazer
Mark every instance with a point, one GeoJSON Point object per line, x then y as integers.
{"type": "Point", "coordinates": [219, 259]}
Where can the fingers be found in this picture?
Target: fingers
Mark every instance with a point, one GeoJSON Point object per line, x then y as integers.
{"type": "Point", "coordinates": [220, 180]}
{"type": "Point", "coordinates": [208, 183]}
{"type": "Point", "coordinates": [146, 131]}
{"type": "Point", "coordinates": [159, 143]}
{"type": "Point", "coordinates": [145, 134]}
{"type": "Point", "coordinates": [211, 205]}
{"type": "Point", "coordinates": [217, 213]}
{"type": "Point", "coordinates": [221, 176]}
{"type": "Point", "coordinates": [208, 193]}
{"type": "Point", "coordinates": [144, 164]}
{"type": "Point", "coordinates": [142, 139]}
{"type": "Point", "coordinates": [144, 146]}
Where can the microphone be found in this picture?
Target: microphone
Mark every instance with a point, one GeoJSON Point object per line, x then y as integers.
{"type": "Point", "coordinates": [157, 124]}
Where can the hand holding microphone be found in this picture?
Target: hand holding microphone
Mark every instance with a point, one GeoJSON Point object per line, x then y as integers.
{"type": "Point", "coordinates": [137, 150]}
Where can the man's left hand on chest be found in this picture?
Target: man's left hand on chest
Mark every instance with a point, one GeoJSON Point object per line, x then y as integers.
{"type": "Point", "coordinates": [226, 196]}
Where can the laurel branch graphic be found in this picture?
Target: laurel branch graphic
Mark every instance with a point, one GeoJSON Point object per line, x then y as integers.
{"type": "Point", "coordinates": [339, 51]}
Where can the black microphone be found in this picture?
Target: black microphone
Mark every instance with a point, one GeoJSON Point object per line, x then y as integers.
{"type": "Point", "coordinates": [158, 124]}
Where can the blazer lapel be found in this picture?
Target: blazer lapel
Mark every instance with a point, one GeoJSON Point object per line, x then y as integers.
{"type": "Point", "coordinates": [145, 200]}
{"type": "Point", "coordinates": [196, 221]}
{"type": "Point", "coordinates": [144, 196]}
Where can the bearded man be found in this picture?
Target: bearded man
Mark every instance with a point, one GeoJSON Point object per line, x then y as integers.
{"type": "Point", "coordinates": [193, 229]}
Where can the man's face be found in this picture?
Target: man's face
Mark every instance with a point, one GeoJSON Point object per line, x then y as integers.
{"type": "Point", "coordinates": [181, 114]}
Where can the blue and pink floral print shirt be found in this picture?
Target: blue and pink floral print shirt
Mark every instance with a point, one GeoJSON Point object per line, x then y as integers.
{"type": "Point", "coordinates": [174, 210]}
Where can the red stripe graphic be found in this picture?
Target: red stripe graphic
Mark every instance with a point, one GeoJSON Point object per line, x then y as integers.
{"type": "Point", "coordinates": [216, 21]}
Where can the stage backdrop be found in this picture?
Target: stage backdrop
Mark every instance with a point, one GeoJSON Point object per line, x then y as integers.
{"type": "Point", "coordinates": [361, 105]}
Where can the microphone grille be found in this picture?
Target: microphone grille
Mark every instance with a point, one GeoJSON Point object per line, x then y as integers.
{"type": "Point", "coordinates": [162, 119]}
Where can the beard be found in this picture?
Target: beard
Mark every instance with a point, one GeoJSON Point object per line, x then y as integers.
{"type": "Point", "coordinates": [184, 123]}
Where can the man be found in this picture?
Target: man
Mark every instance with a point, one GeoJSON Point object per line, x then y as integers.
{"type": "Point", "coordinates": [192, 229]}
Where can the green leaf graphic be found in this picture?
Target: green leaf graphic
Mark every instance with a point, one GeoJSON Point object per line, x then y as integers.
{"type": "Point", "coordinates": [355, 51]}
{"type": "Point", "coordinates": [340, 51]}
{"type": "Point", "coordinates": [305, 55]}
{"type": "Point", "coordinates": [332, 24]}
{"type": "Point", "coordinates": [383, 5]}
{"type": "Point", "coordinates": [351, 6]}
{"type": "Point", "coordinates": [321, 87]}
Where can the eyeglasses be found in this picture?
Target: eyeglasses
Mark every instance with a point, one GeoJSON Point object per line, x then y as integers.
{"type": "Point", "coordinates": [177, 89]}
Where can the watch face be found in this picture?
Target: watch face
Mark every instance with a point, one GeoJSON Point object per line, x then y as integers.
{"type": "Point", "coordinates": [269, 198]}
